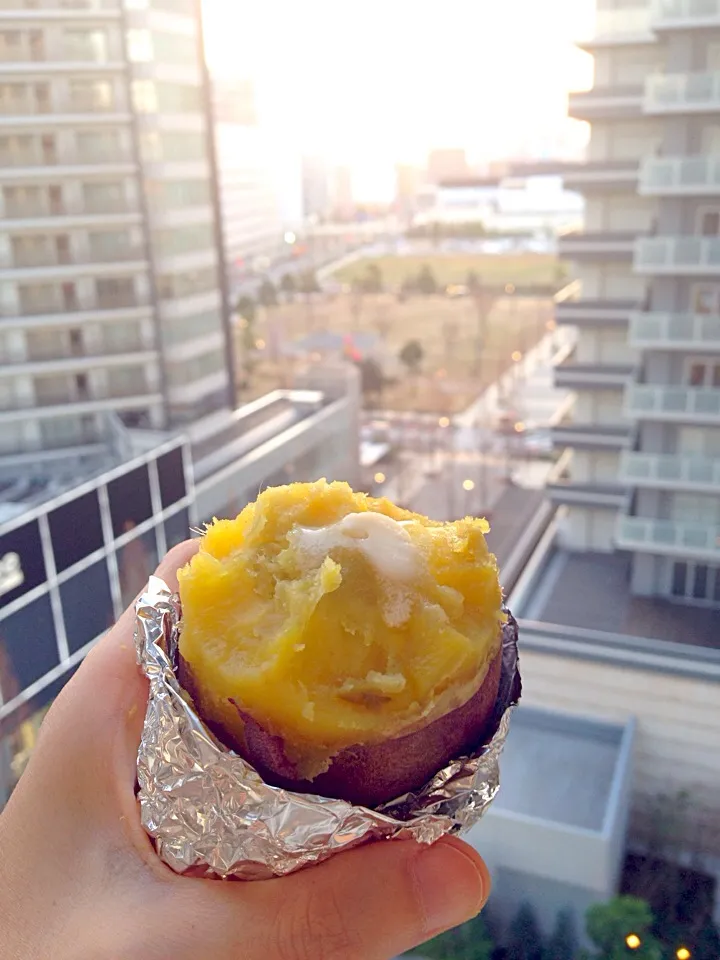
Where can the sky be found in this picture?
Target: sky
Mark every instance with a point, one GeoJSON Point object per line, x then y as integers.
{"type": "Point", "coordinates": [378, 82]}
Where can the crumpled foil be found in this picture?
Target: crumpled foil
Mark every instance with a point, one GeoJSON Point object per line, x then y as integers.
{"type": "Point", "coordinates": [211, 814]}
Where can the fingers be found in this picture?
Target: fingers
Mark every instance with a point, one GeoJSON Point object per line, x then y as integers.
{"type": "Point", "coordinates": [367, 904]}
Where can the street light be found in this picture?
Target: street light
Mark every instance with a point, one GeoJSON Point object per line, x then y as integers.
{"type": "Point", "coordinates": [682, 953]}
{"type": "Point", "coordinates": [516, 356]}
{"type": "Point", "coordinates": [444, 422]}
{"type": "Point", "coordinates": [468, 485]}
{"type": "Point", "coordinates": [379, 478]}
{"type": "Point", "coordinates": [290, 237]}
{"type": "Point", "coordinates": [633, 941]}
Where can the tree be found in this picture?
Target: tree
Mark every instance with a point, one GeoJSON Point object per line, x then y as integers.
{"type": "Point", "coordinates": [309, 283]}
{"type": "Point", "coordinates": [247, 308]}
{"type": "Point", "coordinates": [524, 940]}
{"type": "Point", "coordinates": [247, 311]}
{"type": "Point", "coordinates": [287, 285]}
{"type": "Point", "coordinates": [411, 355]}
{"type": "Point", "coordinates": [425, 281]}
{"type": "Point", "coordinates": [470, 941]}
{"type": "Point", "coordinates": [609, 924]}
{"type": "Point", "coordinates": [371, 281]}
{"type": "Point", "coordinates": [267, 294]}
{"type": "Point", "coordinates": [562, 944]}
{"type": "Point", "coordinates": [372, 379]}
{"type": "Point", "coordinates": [472, 281]}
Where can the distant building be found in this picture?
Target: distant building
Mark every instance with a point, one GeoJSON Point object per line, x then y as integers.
{"type": "Point", "coordinates": [408, 181]}
{"type": "Point", "coordinates": [316, 193]}
{"type": "Point", "coordinates": [343, 204]}
{"type": "Point", "coordinates": [447, 164]}
{"type": "Point", "coordinates": [250, 206]}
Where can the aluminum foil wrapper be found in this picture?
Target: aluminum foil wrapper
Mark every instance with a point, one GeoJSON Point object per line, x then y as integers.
{"type": "Point", "coordinates": [211, 814]}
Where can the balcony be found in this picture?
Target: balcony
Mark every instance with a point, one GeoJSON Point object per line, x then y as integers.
{"type": "Point", "coordinates": [31, 168]}
{"type": "Point", "coordinates": [600, 175]}
{"type": "Point", "coordinates": [689, 256]}
{"type": "Point", "coordinates": [44, 209]}
{"type": "Point", "coordinates": [65, 8]}
{"type": "Point", "coordinates": [64, 361]}
{"type": "Point", "coordinates": [631, 26]}
{"type": "Point", "coordinates": [685, 14]}
{"type": "Point", "coordinates": [673, 404]}
{"type": "Point", "coordinates": [98, 309]}
{"type": "Point", "coordinates": [675, 331]}
{"type": "Point", "coordinates": [672, 538]}
{"type": "Point", "coordinates": [610, 102]}
{"type": "Point", "coordinates": [667, 472]}
{"type": "Point", "coordinates": [602, 245]}
{"type": "Point", "coordinates": [592, 376]}
{"type": "Point", "coordinates": [667, 93]}
{"type": "Point", "coordinates": [609, 496]}
{"type": "Point", "coordinates": [99, 264]}
{"type": "Point", "coordinates": [57, 407]}
{"type": "Point", "coordinates": [595, 313]}
{"type": "Point", "coordinates": [680, 177]}
{"type": "Point", "coordinates": [48, 257]}
{"type": "Point", "coordinates": [590, 436]}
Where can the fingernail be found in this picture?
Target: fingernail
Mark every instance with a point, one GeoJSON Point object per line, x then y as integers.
{"type": "Point", "coordinates": [451, 885]}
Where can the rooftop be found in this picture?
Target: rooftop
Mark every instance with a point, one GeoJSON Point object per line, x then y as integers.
{"type": "Point", "coordinates": [558, 768]}
{"type": "Point", "coordinates": [592, 591]}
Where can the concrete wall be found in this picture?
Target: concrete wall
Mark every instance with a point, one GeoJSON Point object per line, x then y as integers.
{"type": "Point", "coordinates": [586, 528]}
{"type": "Point", "coordinates": [678, 723]}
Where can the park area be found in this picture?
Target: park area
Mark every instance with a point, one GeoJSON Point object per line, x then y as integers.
{"type": "Point", "coordinates": [424, 352]}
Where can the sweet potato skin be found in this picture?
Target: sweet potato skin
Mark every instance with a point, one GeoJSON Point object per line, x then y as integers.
{"type": "Point", "coordinates": [371, 774]}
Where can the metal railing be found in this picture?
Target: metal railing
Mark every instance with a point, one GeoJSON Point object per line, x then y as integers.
{"type": "Point", "coordinates": [40, 211]}
{"type": "Point", "coordinates": [633, 21]}
{"type": "Point", "coordinates": [668, 12]}
{"type": "Point", "coordinates": [694, 174]}
{"type": "Point", "coordinates": [34, 158]}
{"type": "Point", "coordinates": [668, 536]}
{"type": "Point", "coordinates": [665, 469]}
{"type": "Point", "coordinates": [648, 330]}
{"type": "Point", "coordinates": [87, 304]}
{"type": "Point", "coordinates": [677, 254]}
{"type": "Point", "coordinates": [680, 92]}
{"type": "Point", "coordinates": [672, 402]}
{"type": "Point", "coordinates": [51, 258]}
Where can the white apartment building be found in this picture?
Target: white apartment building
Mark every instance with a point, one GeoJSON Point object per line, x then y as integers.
{"type": "Point", "coordinates": [643, 471]}
{"type": "Point", "coordinates": [111, 290]}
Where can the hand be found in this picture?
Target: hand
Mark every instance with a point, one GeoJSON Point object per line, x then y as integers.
{"type": "Point", "coordinates": [80, 878]}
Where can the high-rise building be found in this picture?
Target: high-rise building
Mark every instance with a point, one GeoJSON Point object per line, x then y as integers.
{"type": "Point", "coordinates": [644, 473]}
{"type": "Point", "coordinates": [252, 220]}
{"type": "Point", "coordinates": [111, 289]}
{"type": "Point", "coordinates": [447, 164]}
{"type": "Point", "coordinates": [316, 199]}
{"type": "Point", "coordinates": [343, 204]}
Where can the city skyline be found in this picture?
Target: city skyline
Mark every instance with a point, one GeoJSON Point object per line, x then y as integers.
{"type": "Point", "coordinates": [394, 94]}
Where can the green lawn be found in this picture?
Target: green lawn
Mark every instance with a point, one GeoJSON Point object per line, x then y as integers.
{"type": "Point", "coordinates": [522, 268]}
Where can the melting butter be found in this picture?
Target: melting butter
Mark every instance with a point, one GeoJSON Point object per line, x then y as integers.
{"type": "Point", "coordinates": [384, 542]}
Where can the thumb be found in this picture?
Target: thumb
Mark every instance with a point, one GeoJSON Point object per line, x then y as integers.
{"type": "Point", "coordinates": [370, 903]}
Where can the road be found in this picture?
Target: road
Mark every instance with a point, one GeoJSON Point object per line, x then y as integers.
{"type": "Point", "coordinates": [467, 467]}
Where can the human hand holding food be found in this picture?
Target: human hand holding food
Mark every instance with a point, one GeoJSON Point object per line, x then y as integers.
{"type": "Point", "coordinates": [81, 880]}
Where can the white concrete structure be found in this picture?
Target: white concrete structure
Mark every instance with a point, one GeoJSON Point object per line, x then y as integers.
{"type": "Point", "coordinates": [643, 474]}
{"type": "Point", "coordinates": [110, 282]}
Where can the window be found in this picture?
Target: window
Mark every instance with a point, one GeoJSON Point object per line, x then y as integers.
{"type": "Point", "coordinates": [22, 567]}
{"type": "Point", "coordinates": [86, 45]}
{"type": "Point", "coordinates": [706, 299]}
{"type": "Point", "coordinates": [175, 48]}
{"type": "Point", "coordinates": [136, 561]}
{"type": "Point", "coordinates": [171, 477]}
{"type": "Point", "coordinates": [173, 194]}
{"type": "Point", "coordinates": [98, 145]}
{"type": "Point", "coordinates": [709, 223]}
{"type": "Point", "coordinates": [144, 96]}
{"type": "Point", "coordinates": [703, 373]}
{"type": "Point", "coordinates": [187, 284]}
{"type": "Point", "coordinates": [696, 581]}
{"type": "Point", "coordinates": [115, 292]}
{"type": "Point", "coordinates": [109, 244]}
{"type": "Point", "coordinates": [190, 328]}
{"type": "Point", "coordinates": [183, 240]}
{"type": "Point", "coordinates": [76, 530]}
{"type": "Point", "coordinates": [175, 98]}
{"type": "Point", "coordinates": [140, 46]}
{"type": "Point", "coordinates": [177, 528]}
{"type": "Point", "coordinates": [130, 502]}
{"type": "Point", "coordinates": [196, 368]}
{"type": "Point", "coordinates": [91, 95]}
{"type": "Point", "coordinates": [173, 146]}
{"type": "Point", "coordinates": [22, 663]}
{"type": "Point", "coordinates": [87, 605]}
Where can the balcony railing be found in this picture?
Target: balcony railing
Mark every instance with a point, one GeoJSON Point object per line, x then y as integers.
{"type": "Point", "coordinates": [677, 255]}
{"type": "Point", "coordinates": [59, 5]}
{"type": "Point", "coordinates": [134, 349]}
{"type": "Point", "coordinates": [682, 93]}
{"type": "Point", "coordinates": [663, 471]}
{"type": "Point", "coordinates": [671, 537]}
{"type": "Point", "coordinates": [41, 210]}
{"type": "Point", "coordinates": [592, 376]}
{"type": "Point", "coordinates": [595, 312]}
{"type": "Point", "coordinates": [676, 404]}
{"type": "Point", "coordinates": [620, 26]}
{"type": "Point", "coordinates": [590, 436]}
{"type": "Point", "coordinates": [110, 302]}
{"type": "Point", "coordinates": [678, 331]}
{"type": "Point", "coordinates": [680, 176]}
{"type": "Point", "coordinates": [672, 14]}
{"type": "Point", "coordinates": [598, 243]}
{"type": "Point", "coordinates": [36, 260]}
{"type": "Point", "coordinates": [53, 159]}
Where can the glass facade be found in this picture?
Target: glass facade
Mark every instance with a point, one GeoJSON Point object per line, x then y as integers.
{"type": "Point", "coordinates": [67, 573]}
